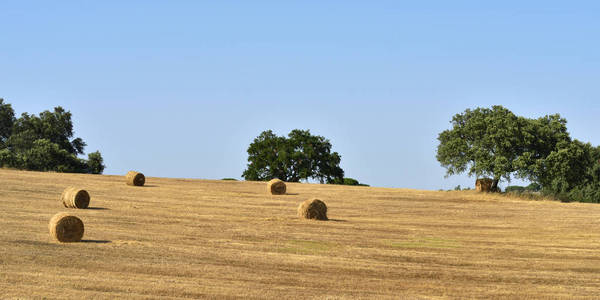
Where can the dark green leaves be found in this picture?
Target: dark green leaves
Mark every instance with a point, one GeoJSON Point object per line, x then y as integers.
{"type": "Point", "coordinates": [299, 156]}
{"type": "Point", "coordinates": [43, 143]}
{"type": "Point", "coordinates": [482, 142]}
{"type": "Point", "coordinates": [496, 143]}
{"type": "Point", "coordinates": [7, 119]}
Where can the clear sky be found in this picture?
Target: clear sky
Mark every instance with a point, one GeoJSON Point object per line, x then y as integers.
{"type": "Point", "coordinates": [180, 88]}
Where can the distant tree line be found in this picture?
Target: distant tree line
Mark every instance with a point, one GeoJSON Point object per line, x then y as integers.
{"type": "Point", "coordinates": [348, 181]}
{"type": "Point", "coordinates": [43, 143]}
{"type": "Point", "coordinates": [496, 143]}
{"type": "Point", "coordinates": [531, 188]}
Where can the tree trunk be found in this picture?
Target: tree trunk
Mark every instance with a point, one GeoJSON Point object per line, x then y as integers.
{"type": "Point", "coordinates": [495, 186]}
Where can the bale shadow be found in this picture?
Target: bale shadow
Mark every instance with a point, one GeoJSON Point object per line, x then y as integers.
{"type": "Point", "coordinates": [150, 185]}
{"type": "Point", "coordinates": [98, 208]}
{"type": "Point", "coordinates": [96, 241]}
{"type": "Point", "coordinates": [292, 194]}
{"type": "Point", "coordinates": [338, 220]}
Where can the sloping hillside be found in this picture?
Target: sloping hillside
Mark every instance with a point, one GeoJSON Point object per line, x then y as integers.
{"type": "Point", "coordinates": [181, 238]}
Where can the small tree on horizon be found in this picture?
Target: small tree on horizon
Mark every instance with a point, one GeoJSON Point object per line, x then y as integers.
{"type": "Point", "coordinates": [299, 156]}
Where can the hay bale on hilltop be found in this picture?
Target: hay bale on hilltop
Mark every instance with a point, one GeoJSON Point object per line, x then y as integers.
{"type": "Point", "coordinates": [484, 185]}
{"type": "Point", "coordinates": [276, 187]}
{"type": "Point", "coordinates": [135, 178]}
{"type": "Point", "coordinates": [66, 228]}
{"type": "Point", "coordinates": [313, 209]}
{"type": "Point", "coordinates": [73, 197]}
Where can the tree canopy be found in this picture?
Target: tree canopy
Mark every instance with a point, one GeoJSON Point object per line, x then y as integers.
{"type": "Point", "coordinates": [483, 141]}
{"type": "Point", "coordinates": [299, 156]}
{"type": "Point", "coordinates": [498, 144]}
{"type": "Point", "coordinates": [43, 143]}
{"type": "Point", "coordinates": [7, 119]}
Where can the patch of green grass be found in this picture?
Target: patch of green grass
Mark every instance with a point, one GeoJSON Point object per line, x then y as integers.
{"type": "Point", "coordinates": [425, 242]}
{"type": "Point", "coordinates": [306, 247]}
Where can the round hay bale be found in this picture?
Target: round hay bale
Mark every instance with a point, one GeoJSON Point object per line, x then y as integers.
{"type": "Point", "coordinates": [73, 197]}
{"type": "Point", "coordinates": [66, 228]}
{"type": "Point", "coordinates": [313, 209]}
{"type": "Point", "coordinates": [484, 185]}
{"type": "Point", "coordinates": [276, 187]}
{"type": "Point", "coordinates": [135, 178]}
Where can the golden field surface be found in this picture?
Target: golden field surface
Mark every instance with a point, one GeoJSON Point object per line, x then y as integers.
{"type": "Point", "coordinates": [183, 238]}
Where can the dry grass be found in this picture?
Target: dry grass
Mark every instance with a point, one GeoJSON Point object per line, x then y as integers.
{"type": "Point", "coordinates": [180, 238]}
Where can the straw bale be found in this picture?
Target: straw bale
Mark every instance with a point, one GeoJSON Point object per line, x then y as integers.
{"type": "Point", "coordinates": [313, 209]}
{"type": "Point", "coordinates": [66, 228]}
{"type": "Point", "coordinates": [73, 197]}
{"type": "Point", "coordinates": [484, 185]}
{"type": "Point", "coordinates": [276, 187]}
{"type": "Point", "coordinates": [135, 178]}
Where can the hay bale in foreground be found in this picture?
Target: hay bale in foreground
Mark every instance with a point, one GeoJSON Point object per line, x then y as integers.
{"type": "Point", "coordinates": [73, 197]}
{"type": "Point", "coordinates": [135, 178]}
{"type": "Point", "coordinates": [484, 185]}
{"type": "Point", "coordinates": [276, 187]}
{"type": "Point", "coordinates": [313, 209]}
{"type": "Point", "coordinates": [66, 228]}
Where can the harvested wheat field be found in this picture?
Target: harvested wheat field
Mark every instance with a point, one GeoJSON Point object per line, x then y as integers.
{"type": "Point", "coordinates": [180, 238]}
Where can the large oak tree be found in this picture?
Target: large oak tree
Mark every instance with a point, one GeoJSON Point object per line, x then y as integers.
{"type": "Point", "coordinates": [299, 156]}
{"type": "Point", "coordinates": [483, 142]}
{"type": "Point", "coordinates": [494, 142]}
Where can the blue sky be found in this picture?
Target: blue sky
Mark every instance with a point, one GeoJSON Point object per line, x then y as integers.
{"type": "Point", "coordinates": [180, 88]}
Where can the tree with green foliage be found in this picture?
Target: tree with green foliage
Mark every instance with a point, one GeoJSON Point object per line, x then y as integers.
{"type": "Point", "coordinates": [7, 119]}
{"type": "Point", "coordinates": [560, 166]}
{"type": "Point", "coordinates": [565, 168]}
{"type": "Point", "coordinates": [299, 156]}
{"type": "Point", "coordinates": [540, 139]}
{"type": "Point", "coordinates": [95, 163]}
{"type": "Point", "coordinates": [589, 189]}
{"type": "Point", "coordinates": [43, 143]}
{"type": "Point", "coordinates": [483, 142]}
{"type": "Point", "coordinates": [496, 143]}
{"type": "Point", "coordinates": [572, 173]}
{"type": "Point", "coordinates": [55, 126]}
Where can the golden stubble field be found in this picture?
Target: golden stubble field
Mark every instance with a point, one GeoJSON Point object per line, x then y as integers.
{"type": "Point", "coordinates": [182, 238]}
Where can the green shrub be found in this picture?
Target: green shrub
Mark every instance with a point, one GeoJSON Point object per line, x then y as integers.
{"type": "Point", "coordinates": [515, 189]}
{"type": "Point", "coordinates": [351, 181]}
{"type": "Point", "coordinates": [348, 181]}
{"type": "Point", "coordinates": [533, 187]}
